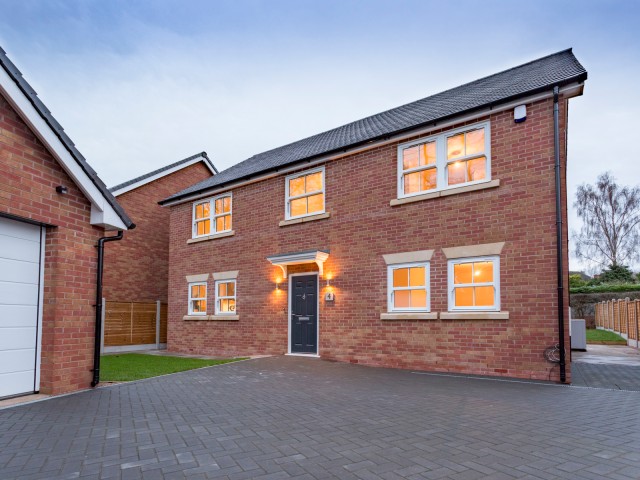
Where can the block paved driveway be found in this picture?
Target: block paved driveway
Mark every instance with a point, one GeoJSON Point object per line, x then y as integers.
{"type": "Point", "coordinates": [288, 417]}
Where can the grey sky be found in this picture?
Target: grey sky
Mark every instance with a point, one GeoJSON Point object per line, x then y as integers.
{"type": "Point", "coordinates": [138, 85]}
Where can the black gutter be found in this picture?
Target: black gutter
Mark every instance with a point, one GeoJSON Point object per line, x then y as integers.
{"type": "Point", "coordinates": [98, 334]}
{"type": "Point", "coordinates": [556, 145]}
{"type": "Point", "coordinates": [343, 149]}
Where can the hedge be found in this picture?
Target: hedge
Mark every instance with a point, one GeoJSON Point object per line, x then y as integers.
{"type": "Point", "coordinates": [606, 288]}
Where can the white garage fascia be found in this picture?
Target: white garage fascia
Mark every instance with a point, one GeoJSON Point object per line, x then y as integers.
{"type": "Point", "coordinates": [102, 213]}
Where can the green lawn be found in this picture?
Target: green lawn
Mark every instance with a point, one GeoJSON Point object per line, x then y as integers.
{"type": "Point", "coordinates": [595, 336]}
{"type": "Point", "coordinates": [134, 366]}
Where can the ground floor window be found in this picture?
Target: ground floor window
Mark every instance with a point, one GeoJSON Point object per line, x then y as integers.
{"type": "Point", "coordinates": [408, 287]}
{"type": "Point", "coordinates": [225, 297]}
{"type": "Point", "coordinates": [474, 283]}
{"type": "Point", "coordinates": [198, 298]}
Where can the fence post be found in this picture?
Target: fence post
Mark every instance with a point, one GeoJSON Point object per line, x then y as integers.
{"type": "Point", "coordinates": [103, 315]}
{"type": "Point", "coordinates": [157, 324]}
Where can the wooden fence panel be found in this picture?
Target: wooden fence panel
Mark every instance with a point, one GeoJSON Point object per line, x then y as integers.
{"type": "Point", "coordinates": [164, 314]}
{"type": "Point", "coordinates": [133, 324]}
{"type": "Point", "coordinates": [622, 316]}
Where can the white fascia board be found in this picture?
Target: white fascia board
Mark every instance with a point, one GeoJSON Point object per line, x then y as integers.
{"type": "Point", "coordinates": [569, 91]}
{"type": "Point", "coordinates": [164, 173]}
{"type": "Point", "coordinates": [102, 213]}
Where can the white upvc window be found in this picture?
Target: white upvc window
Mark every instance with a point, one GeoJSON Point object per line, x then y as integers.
{"type": "Point", "coordinates": [474, 284]}
{"type": "Point", "coordinates": [212, 216]}
{"type": "Point", "coordinates": [198, 298]}
{"type": "Point", "coordinates": [225, 297]}
{"type": "Point", "coordinates": [304, 193]}
{"type": "Point", "coordinates": [408, 287]}
{"type": "Point", "coordinates": [450, 159]}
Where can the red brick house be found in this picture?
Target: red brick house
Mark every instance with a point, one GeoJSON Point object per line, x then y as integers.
{"type": "Point", "coordinates": [137, 269]}
{"type": "Point", "coordinates": [431, 236]}
{"type": "Point", "coordinates": [53, 212]}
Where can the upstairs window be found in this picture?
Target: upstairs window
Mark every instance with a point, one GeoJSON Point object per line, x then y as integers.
{"type": "Point", "coordinates": [408, 287]}
{"type": "Point", "coordinates": [447, 160]}
{"type": "Point", "coordinates": [305, 194]}
{"type": "Point", "coordinates": [474, 284]}
{"type": "Point", "coordinates": [212, 216]}
{"type": "Point", "coordinates": [198, 298]}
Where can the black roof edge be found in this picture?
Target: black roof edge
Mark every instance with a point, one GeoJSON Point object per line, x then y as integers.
{"type": "Point", "coordinates": [578, 78]}
{"type": "Point", "coordinates": [57, 129]}
{"type": "Point", "coordinates": [139, 178]}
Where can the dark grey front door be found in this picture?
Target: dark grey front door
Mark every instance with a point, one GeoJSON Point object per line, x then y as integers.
{"type": "Point", "coordinates": [304, 314]}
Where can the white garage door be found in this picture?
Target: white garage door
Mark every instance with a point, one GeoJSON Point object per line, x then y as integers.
{"type": "Point", "coordinates": [20, 256]}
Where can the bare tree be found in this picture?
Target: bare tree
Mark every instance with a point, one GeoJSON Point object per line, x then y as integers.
{"type": "Point", "coordinates": [610, 213]}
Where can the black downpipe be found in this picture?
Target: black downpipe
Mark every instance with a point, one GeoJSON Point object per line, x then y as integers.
{"type": "Point", "coordinates": [96, 351]}
{"type": "Point", "coordinates": [556, 141]}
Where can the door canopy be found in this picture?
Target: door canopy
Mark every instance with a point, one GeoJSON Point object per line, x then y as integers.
{"type": "Point", "coordinates": [297, 258]}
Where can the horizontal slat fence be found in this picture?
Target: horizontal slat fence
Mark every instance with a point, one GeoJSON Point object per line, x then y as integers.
{"type": "Point", "coordinates": [133, 323]}
{"type": "Point", "coordinates": [620, 316]}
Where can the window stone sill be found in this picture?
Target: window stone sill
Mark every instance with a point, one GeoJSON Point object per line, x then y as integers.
{"type": "Point", "coordinates": [474, 316]}
{"type": "Point", "coordinates": [444, 193]}
{"type": "Point", "coordinates": [409, 316]}
{"type": "Point", "coordinates": [212, 318]}
{"type": "Point", "coordinates": [310, 218]}
{"type": "Point", "coordinates": [212, 237]}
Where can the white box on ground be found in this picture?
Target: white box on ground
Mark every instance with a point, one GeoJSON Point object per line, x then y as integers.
{"type": "Point", "coordinates": [578, 335]}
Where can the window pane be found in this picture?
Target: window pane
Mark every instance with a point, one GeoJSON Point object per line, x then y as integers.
{"type": "Point", "coordinates": [455, 146]}
{"type": "Point", "coordinates": [314, 182]}
{"type": "Point", "coordinates": [410, 158]}
{"type": "Point", "coordinates": [227, 204]}
{"type": "Point", "coordinates": [484, 297]}
{"type": "Point", "coordinates": [194, 291]}
{"type": "Point", "coordinates": [456, 173]}
{"type": "Point", "coordinates": [475, 141]}
{"type": "Point", "coordinates": [401, 277]}
{"type": "Point", "coordinates": [203, 227]}
{"type": "Point", "coordinates": [219, 206]}
{"type": "Point", "coordinates": [419, 298]}
{"type": "Point", "coordinates": [416, 276]}
{"type": "Point", "coordinates": [220, 224]}
{"type": "Point", "coordinates": [298, 207]}
{"type": "Point", "coordinates": [199, 306]}
{"type": "Point", "coordinates": [231, 289]}
{"type": "Point", "coordinates": [202, 291]}
{"type": "Point", "coordinates": [462, 273]}
{"type": "Point", "coordinates": [402, 299]}
{"type": "Point", "coordinates": [476, 169]}
{"type": "Point", "coordinates": [296, 186]}
{"type": "Point", "coordinates": [202, 210]}
{"type": "Point", "coordinates": [464, 297]}
{"type": "Point", "coordinates": [316, 203]}
{"type": "Point", "coordinates": [428, 179]}
{"type": "Point", "coordinates": [224, 305]}
{"type": "Point", "coordinates": [222, 289]}
{"type": "Point", "coordinates": [428, 153]}
{"type": "Point", "coordinates": [412, 183]}
{"type": "Point", "coordinates": [227, 222]}
{"type": "Point", "coordinates": [232, 305]}
{"type": "Point", "coordinates": [482, 272]}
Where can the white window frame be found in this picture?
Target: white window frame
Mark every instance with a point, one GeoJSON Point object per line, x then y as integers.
{"type": "Point", "coordinates": [495, 284]}
{"type": "Point", "coordinates": [391, 289]}
{"type": "Point", "coordinates": [234, 296]}
{"type": "Point", "coordinates": [287, 199]}
{"type": "Point", "coordinates": [441, 159]}
{"type": "Point", "coordinates": [191, 299]}
{"type": "Point", "coordinates": [212, 215]}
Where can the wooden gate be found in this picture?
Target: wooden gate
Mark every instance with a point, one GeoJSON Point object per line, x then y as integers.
{"type": "Point", "coordinates": [127, 324]}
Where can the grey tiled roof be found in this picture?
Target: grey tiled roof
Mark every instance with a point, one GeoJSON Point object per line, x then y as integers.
{"type": "Point", "coordinates": [202, 155]}
{"type": "Point", "coordinates": [539, 75]}
{"type": "Point", "coordinates": [46, 115]}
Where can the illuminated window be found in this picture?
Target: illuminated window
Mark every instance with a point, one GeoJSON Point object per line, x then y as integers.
{"type": "Point", "coordinates": [408, 287]}
{"type": "Point", "coordinates": [305, 193]}
{"type": "Point", "coordinates": [474, 284]}
{"type": "Point", "coordinates": [212, 216]}
{"type": "Point", "coordinates": [447, 160]}
{"type": "Point", "coordinates": [225, 297]}
{"type": "Point", "coordinates": [198, 298]}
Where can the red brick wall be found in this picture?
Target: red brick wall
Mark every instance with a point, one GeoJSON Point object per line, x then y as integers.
{"type": "Point", "coordinates": [27, 189]}
{"type": "Point", "coordinates": [136, 268]}
{"type": "Point", "coordinates": [363, 227]}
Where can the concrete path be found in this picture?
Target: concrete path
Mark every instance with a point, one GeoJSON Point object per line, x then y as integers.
{"type": "Point", "coordinates": [607, 366]}
{"type": "Point", "coordinates": [300, 418]}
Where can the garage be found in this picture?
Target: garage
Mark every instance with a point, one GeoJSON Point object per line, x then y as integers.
{"type": "Point", "coordinates": [21, 253]}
